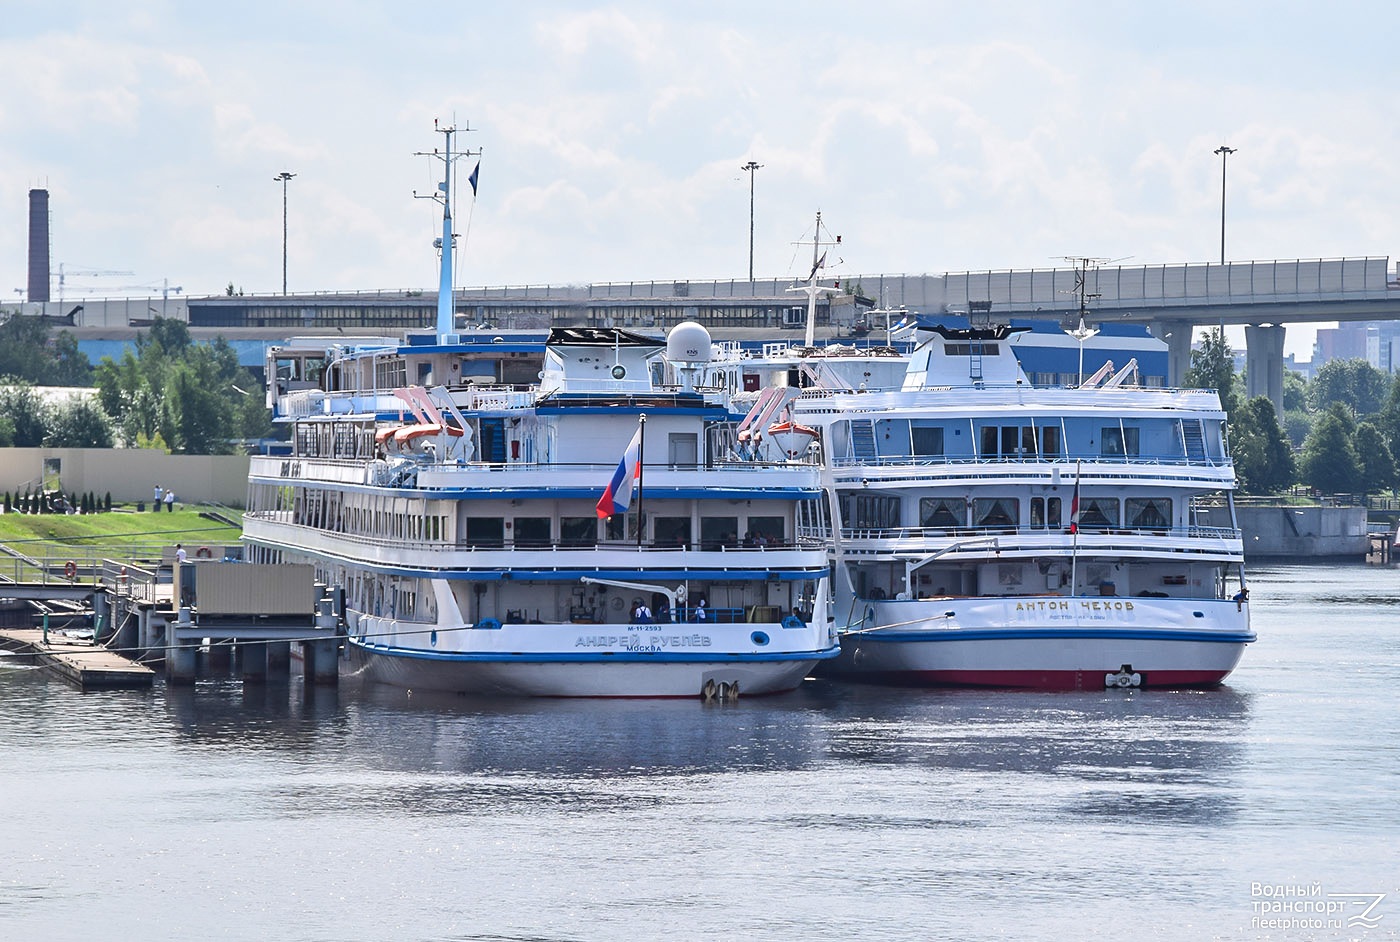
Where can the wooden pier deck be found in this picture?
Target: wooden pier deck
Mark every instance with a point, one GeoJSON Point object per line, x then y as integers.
{"type": "Point", "coordinates": [80, 663]}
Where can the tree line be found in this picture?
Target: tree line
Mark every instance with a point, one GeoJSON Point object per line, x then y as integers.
{"type": "Point", "coordinates": [169, 393]}
{"type": "Point", "coordinates": [1339, 432]}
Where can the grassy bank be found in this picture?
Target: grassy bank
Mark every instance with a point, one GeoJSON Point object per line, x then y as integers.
{"type": "Point", "coordinates": [47, 534]}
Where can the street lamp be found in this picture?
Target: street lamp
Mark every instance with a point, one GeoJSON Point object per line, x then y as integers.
{"type": "Point", "coordinates": [284, 176]}
{"type": "Point", "coordinates": [751, 166]}
{"type": "Point", "coordinates": [1224, 153]}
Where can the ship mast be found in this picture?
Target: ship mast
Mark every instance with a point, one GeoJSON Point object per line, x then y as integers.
{"type": "Point", "coordinates": [811, 288]}
{"type": "Point", "coordinates": [446, 244]}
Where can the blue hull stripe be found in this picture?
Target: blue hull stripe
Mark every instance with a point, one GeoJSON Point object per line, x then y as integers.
{"type": "Point", "coordinates": [1034, 634]}
{"type": "Point", "coordinates": [560, 657]}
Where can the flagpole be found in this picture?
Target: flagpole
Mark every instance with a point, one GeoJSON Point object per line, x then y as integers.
{"type": "Point", "coordinates": [641, 452]}
{"type": "Point", "coordinates": [1074, 525]}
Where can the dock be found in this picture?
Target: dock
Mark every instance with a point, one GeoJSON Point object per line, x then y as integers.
{"type": "Point", "coordinates": [85, 665]}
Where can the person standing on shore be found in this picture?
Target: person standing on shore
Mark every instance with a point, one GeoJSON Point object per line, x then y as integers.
{"type": "Point", "coordinates": [155, 503]}
{"type": "Point", "coordinates": [170, 500]}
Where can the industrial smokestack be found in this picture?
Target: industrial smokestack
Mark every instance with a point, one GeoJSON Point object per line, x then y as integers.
{"type": "Point", "coordinates": [38, 245]}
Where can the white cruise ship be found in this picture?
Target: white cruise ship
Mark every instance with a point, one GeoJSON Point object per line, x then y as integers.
{"type": "Point", "coordinates": [489, 542]}
{"type": "Point", "coordinates": [991, 532]}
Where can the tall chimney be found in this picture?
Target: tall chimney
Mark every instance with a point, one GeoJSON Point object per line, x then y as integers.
{"type": "Point", "coordinates": [38, 245]}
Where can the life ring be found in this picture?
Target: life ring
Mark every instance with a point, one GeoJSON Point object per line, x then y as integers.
{"type": "Point", "coordinates": [204, 553]}
{"type": "Point", "coordinates": [70, 569]}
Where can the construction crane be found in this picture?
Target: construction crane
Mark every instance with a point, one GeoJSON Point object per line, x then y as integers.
{"type": "Point", "coordinates": [64, 272]}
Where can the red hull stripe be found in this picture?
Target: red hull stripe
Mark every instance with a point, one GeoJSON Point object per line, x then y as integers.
{"type": "Point", "coordinates": [1039, 680]}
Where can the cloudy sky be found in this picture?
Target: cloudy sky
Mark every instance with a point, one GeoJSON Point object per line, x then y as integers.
{"type": "Point", "coordinates": [933, 136]}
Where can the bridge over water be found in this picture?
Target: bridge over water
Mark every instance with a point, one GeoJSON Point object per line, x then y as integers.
{"type": "Point", "coordinates": [1174, 300]}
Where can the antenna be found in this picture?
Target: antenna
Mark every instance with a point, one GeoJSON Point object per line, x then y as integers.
{"type": "Point", "coordinates": [447, 242]}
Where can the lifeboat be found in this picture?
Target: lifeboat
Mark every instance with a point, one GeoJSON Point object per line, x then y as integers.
{"type": "Point", "coordinates": [792, 438]}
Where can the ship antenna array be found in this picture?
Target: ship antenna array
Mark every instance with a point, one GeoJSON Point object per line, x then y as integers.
{"type": "Point", "coordinates": [819, 263]}
{"type": "Point", "coordinates": [446, 244]}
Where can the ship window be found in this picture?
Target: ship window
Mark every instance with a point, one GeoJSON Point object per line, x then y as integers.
{"type": "Point", "coordinates": [928, 440]}
{"type": "Point", "coordinates": [866, 513]}
{"type": "Point", "coordinates": [766, 531]}
{"type": "Point", "coordinates": [1045, 512]}
{"type": "Point", "coordinates": [1098, 513]}
{"type": "Point", "coordinates": [620, 526]}
{"type": "Point", "coordinates": [942, 512]}
{"type": "Point", "coordinates": [1050, 441]}
{"type": "Point", "coordinates": [682, 450]}
{"type": "Point", "coordinates": [578, 531]}
{"type": "Point", "coordinates": [1151, 512]}
{"type": "Point", "coordinates": [995, 512]}
{"type": "Point", "coordinates": [486, 531]}
{"type": "Point", "coordinates": [531, 531]}
{"type": "Point", "coordinates": [718, 531]}
{"type": "Point", "coordinates": [672, 531]}
{"type": "Point", "coordinates": [1118, 442]}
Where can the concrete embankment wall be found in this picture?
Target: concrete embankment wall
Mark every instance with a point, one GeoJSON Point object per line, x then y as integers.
{"type": "Point", "coordinates": [129, 474]}
{"type": "Point", "coordinates": [1303, 532]}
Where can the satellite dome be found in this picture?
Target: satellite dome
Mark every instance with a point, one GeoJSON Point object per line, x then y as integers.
{"type": "Point", "coordinates": [688, 342]}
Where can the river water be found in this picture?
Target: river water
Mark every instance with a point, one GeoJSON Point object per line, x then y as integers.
{"type": "Point", "coordinates": [833, 813]}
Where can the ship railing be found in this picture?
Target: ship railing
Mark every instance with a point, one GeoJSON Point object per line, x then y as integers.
{"type": "Point", "coordinates": [1065, 463]}
{"type": "Point", "coordinates": [1089, 537]}
{"type": "Point", "coordinates": [774, 554]}
{"type": "Point", "coordinates": [309, 468]}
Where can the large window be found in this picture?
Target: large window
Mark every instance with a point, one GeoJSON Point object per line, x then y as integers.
{"type": "Point", "coordinates": [996, 512]}
{"type": "Point", "coordinates": [1150, 512]}
{"type": "Point", "coordinates": [671, 531]}
{"type": "Point", "coordinates": [1098, 513]}
{"type": "Point", "coordinates": [942, 512]}
{"type": "Point", "coordinates": [717, 531]}
{"type": "Point", "coordinates": [864, 512]}
{"type": "Point", "coordinates": [578, 531]}
{"type": "Point", "coordinates": [1011, 441]}
{"type": "Point", "coordinates": [766, 531]}
{"type": "Point", "coordinates": [1118, 442]}
{"type": "Point", "coordinates": [927, 440]}
{"type": "Point", "coordinates": [531, 531]}
{"type": "Point", "coordinates": [486, 531]}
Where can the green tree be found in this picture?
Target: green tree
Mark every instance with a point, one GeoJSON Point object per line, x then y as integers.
{"type": "Point", "coordinates": [28, 353]}
{"type": "Point", "coordinates": [175, 394]}
{"type": "Point", "coordinates": [1213, 367]}
{"type": "Point", "coordinates": [195, 419]}
{"type": "Point", "coordinates": [26, 410]}
{"type": "Point", "coordinates": [1263, 457]}
{"type": "Point", "coordinates": [1295, 390]}
{"type": "Point", "coordinates": [1378, 472]}
{"type": "Point", "coordinates": [1356, 383]}
{"type": "Point", "coordinates": [79, 423]}
{"type": "Point", "coordinates": [1330, 463]}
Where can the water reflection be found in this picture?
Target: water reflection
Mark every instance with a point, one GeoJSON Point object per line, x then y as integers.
{"type": "Point", "coordinates": [1139, 755]}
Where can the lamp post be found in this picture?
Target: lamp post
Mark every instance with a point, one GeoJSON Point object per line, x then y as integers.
{"type": "Point", "coordinates": [751, 166]}
{"type": "Point", "coordinates": [1224, 153]}
{"type": "Point", "coordinates": [284, 176]}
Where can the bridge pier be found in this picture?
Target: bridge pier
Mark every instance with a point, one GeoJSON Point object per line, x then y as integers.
{"type": "Point", "coordinates": [1264, 364]}
{"type": "Point", "coordinates": [1176, 334]}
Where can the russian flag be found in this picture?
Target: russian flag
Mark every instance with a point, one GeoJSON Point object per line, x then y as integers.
{"type": "Point", "coordinates": [619, 490]}
{"type": "Point", "coordinates": [1074, 507]}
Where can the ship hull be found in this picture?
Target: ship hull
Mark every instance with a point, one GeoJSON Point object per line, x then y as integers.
{"type": "Point", "coordinates": [599, 676]}
{"type": "Point", "coordinates": [1146, 645]}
